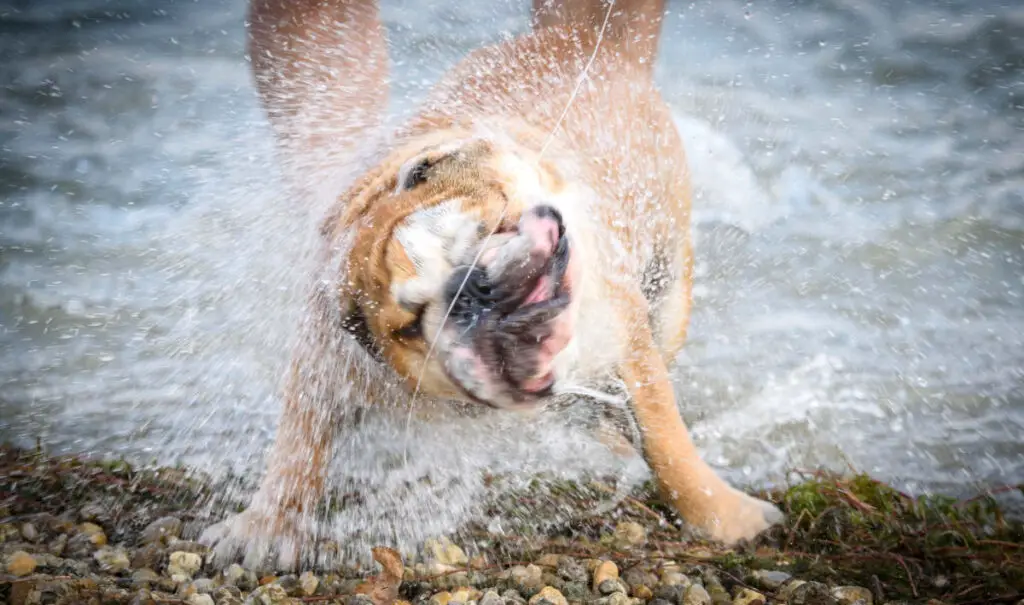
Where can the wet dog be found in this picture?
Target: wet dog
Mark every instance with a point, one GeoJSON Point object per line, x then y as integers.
{"type": "Point", "coordinates": [527, 230]}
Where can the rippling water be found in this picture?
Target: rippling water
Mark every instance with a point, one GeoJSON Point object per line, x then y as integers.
{"type": "Point", "coordinates": [860, 221]}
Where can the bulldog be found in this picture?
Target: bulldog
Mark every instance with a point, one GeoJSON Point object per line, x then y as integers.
{"type": "Point", "coordinates": [525, 235]}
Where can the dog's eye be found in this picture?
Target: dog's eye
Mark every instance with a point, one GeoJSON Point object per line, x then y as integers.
{"type": "Point", "coordinates": [417, 175]}
{"type": "Point", "coordinates": [413, 329]}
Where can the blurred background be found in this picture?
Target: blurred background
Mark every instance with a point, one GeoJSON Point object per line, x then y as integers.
{"type": "Point", "coordinates": [859, 167]}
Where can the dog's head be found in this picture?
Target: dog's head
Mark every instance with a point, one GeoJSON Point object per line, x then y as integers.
{"type": "Point", "coordinates": [461, 269]}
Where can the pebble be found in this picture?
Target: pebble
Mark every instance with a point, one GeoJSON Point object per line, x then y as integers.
{"type": "Point", "coordinates": [811, 593]}
{"type": "Point", "coordinates": [491, 598]}
{"type": "Point", "coordinates": [442, 550]}
{"type": "Point", "coordinates": [611, 586]}
{"type": "Point", "coordinates": [852, 595]}
{"type": "Point", "coordinates": [308, 582]}
{"type": "Point", "coordinates": [182, 565]}
{"type": "Point", "coordinates": [571, 570]}
{"type": "Point", "coordinates": [695, 594]}
{"type": "Point", "coordinates": [441, 598]}
{"type": "Point", "coordinates": [606, 570]}
{"type": "Point", "coordinates": [161, 530]}
{"type": "Point", "coordinates": [767, 579]}
{"type": "Point", "coordinates": [112, 560]}
{"type": "Point", "coordinates": [748, 597]}
{"type": "Point", "coordinates": [94, 533]}
{"type": "Point", "coordinates": [527, 580]}
{"type": "Point", "coordinates": [641, 591]}
{"type": "Point", "coordinates": [20, 563]}
{"type": "Point", "coordinates": [29, 532]}
{"type": "Point", "coordinates": [269, 594]}
{"type": "Point", "coordinates": [548, 596]}
{"type": "Point", "coordinates": [617, 598]}
{"type": "Point", "coordinates": [675, 578]}
{"type": "Point", "coordinates": [629, 534]}
{"type": "Point", "coordinates": [200, 599]}
{"type": "Point", "coordinates": [142, 578]}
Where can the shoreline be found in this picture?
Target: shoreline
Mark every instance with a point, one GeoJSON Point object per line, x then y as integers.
{"type": "Point", "coordinates": [75, 530]}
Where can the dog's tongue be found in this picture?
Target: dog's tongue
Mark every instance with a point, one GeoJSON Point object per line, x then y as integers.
{"type": "Point", "coordinates": [541, 291]}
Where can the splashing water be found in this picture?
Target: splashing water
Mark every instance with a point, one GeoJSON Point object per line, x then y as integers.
{"type": "Point", "coordinates": [859, 224]}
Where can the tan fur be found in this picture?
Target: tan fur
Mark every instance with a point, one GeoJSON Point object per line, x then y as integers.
{"type": "Point", "coordinates": [610, 155]}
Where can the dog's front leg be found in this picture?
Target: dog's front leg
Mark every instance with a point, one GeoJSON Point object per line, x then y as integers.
{"type": "Point", "coordinates": [702, 498]}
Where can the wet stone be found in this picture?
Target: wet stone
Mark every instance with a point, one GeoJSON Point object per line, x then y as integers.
{"type": "Point", "coordinates": [29, 532]}
{"type": "Point", "coordinates": [852, 595]}
{"type": "Point", "coordinates": [181, 564]}
{"type": "Point", "coordinates": [20, 563]}
{"type": "Point", "coordinates": [605, 570]}
{"type": "Point", "coordinates": [695, 594]}
{"type": "Point", "coordinates": [143, 578]}
{"type": "Point", "coordinates": [308, 583]}
{"type": "Point", "coordinates": [672, 593]}
{"type": "Point", "coordinates": [628, 535]}
{"type": "Point", "coordinates": [161, 530]}
{"type": "Point", "coordinates": [200, 599]}
{"type": "Point", "coordinates": [571, 570]}
{"type": "Point", "coordinates": [575, 591]}
{"type": "Point", "coordinates": [811, 593]}
{"type": "Point", "coordinates": [527, 580]}
{"type": "Point", "coordinates": [748, 597]}
{"type": "Point", "coordinates": [611, 586]}
{"type": "Point", "coordinates": [491, 598]}
{"type": "Point", "coordinates": [112, 559]}
{"type": "Point", "coordinates": [513, 597]}
{"type": "Point", "coordinates": [268, 594]}
{"type": "Point", "coordinates": [674, 578]}
{"type": "Point", "coordinates": [444, 551]}
{"type": "Point", "coordinates": [548, 596]}
{"type": "Point", "coordinates": [767, 579]}
{"type": "Point", "coordinates": [642, 592]}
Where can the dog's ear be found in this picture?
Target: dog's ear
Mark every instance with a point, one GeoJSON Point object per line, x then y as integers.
{"type": "Point", "coordinates": [353, 321]}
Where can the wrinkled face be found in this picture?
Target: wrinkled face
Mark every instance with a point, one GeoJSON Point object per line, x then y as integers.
{"type": "Point", "coordinates": [461, 273]}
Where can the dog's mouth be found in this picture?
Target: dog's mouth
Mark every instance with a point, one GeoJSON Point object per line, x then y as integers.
{"type": "Point", "coordinates": [509, 318]}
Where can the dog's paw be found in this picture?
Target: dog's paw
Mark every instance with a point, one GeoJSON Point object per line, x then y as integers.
{"type": "Point", "coordinates": [260, 539]}
{"type": "Point", "coordinates": [741, 517]}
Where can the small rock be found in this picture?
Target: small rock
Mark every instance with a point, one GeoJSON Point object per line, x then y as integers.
{"type": "Point", "coordinates": [94, 533]}
{"type": "Point", "coordinates": [787, 591]}
{"type": "Point", "coordinates": [112, 560]}
{"type": "Point", "coordinates": [695, 594]}
{"type": "Point", "coordinates": [441, 598]}
{"type": "Point", "coordinates": [675, 578]}
{"type": "Point", "coordinates": [268, 594]}
{"type": "Point", "coordinates": [204, 586]}
{"type": "Point", "coordinates": [549, 560]}
{"type": "Point", "coordinates": [20, 563]}
{"type": "Point", "coordinates": [617, 598]}
{"type": "Point", "coordinates": [57, 545]}
{"type": "Point", "coordinates": [225, 596]}
{"type": "Point", "coordinates": [671, 593]}
{"type": "Point", "coordinates": [143, 578]}
{"type": "Point", "coordinates": [611, 586]}
{"type": "Point", "coordinates": [575, 591]}
{"type": "Point", "coordinates": [527, 580]}
{"type": "Point", "coordinates": [767, 579]}
{"type": "Point", "coordinates": [512, 596]}
{"type": "Point", "coordinates": [308, 582]}
{"type": "Point", "coordinates": [182, 564]}
{"type": "Point", "coordinates": [491, 598]}
{"type": "Point", "coordinates": [151, 556]}
{"type": "Point", "coordinates": [811, 593]}
{"type": "Point", "coordinates": [290, 584]}
{"type": "Point", "coordinates": [200, 599]}
{"type": "Point", "coordinates": [629, 534]}
{"type": "Point", "coordinates": [29, 532]}
{"type": "Point", "coordinates": [161, 530]}
{"type": "Point", "coordinates": [641, 591]}
{"type": "Point", "coordinates": [93, 511]}
{"type": "Point", "coordinates": [548, 596]}
{"type": "Point", "coordinates": [606, 570]}
{"type": "Point", "coordinates": [658, 601]}
{"type": "Point", "coordinates": [852, 595]}
{"type": "Point", "coordinates": [465, 594]}
{"type": "Point", "coordinates": [442, 550]}
{"type": "Point", "coordinates": [571, 570]}
{"type": "Point", "coordinates": [749, 597]}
